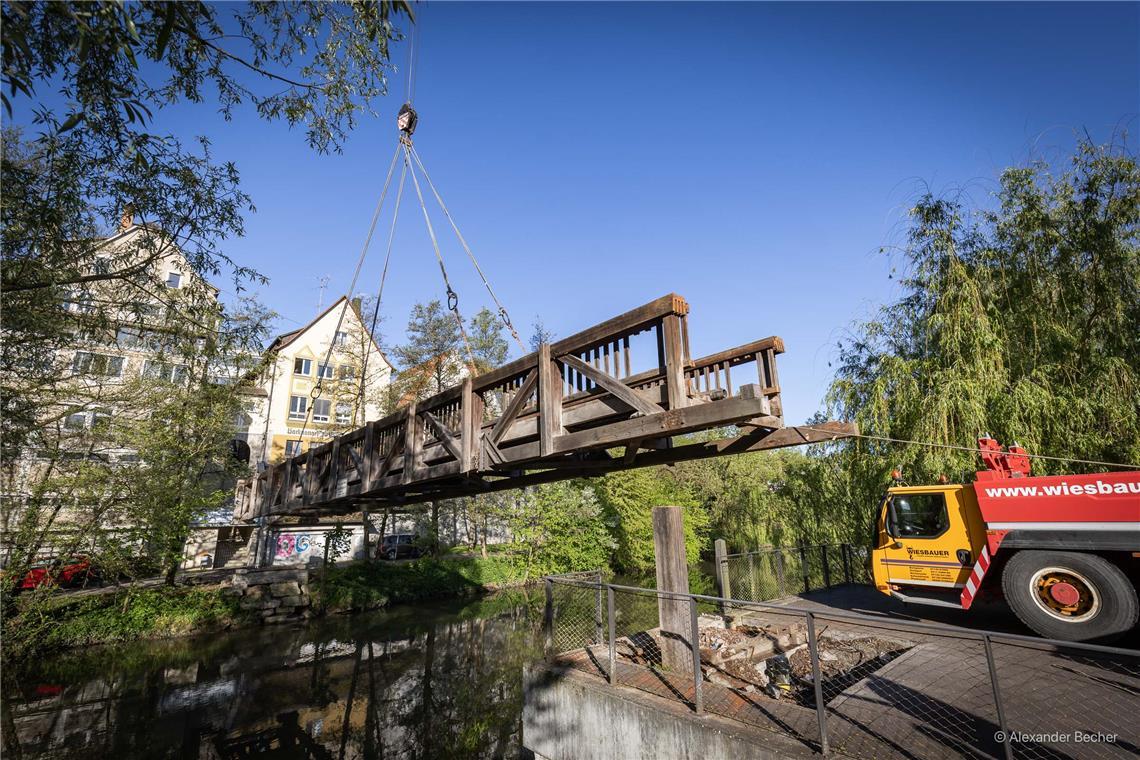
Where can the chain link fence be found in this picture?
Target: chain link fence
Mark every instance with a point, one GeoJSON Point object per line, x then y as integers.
{"type": "Point", "coordinates": [850, 684]}
{"type": "Point", "coordinates": [773, 573]}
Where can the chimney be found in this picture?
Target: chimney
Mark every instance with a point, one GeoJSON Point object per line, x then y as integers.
{"type": "Point", "coordinates": [356, 304]}
{"type": "Point", "coordinates": [128, 218]}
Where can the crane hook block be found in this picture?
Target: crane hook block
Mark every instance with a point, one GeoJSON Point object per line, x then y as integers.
{"type": "Point", "coordinates": [406, 119]}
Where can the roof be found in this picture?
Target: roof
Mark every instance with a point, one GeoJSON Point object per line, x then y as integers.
{"type": "Point", "coordinates": [284, 339]}
{"type": "Point", "coordinates": [136, 227]}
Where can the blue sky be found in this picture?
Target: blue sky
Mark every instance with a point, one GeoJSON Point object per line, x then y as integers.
{"type": "Point", "coordinates": [750, 157]}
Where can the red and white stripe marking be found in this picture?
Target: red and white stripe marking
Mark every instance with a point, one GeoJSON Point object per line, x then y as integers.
{"type": "Point", "coordinates": [975, 580]}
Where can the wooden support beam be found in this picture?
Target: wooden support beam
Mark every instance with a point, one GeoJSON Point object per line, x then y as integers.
{"type": "Point", "coordinates": [675, 361]}
{"type": "Point", "coordinates": [413, 441]}
{"type": "Point", "coordinates": [470, 423]}
{"type": "Point", "coordinates": [444, 435]}
{"type": "Point", "coordinates": [549, 401]}
{"type": "Point", "coordinates": [513, 407]}
{"type": "Point", "coordinates": [613, 385]}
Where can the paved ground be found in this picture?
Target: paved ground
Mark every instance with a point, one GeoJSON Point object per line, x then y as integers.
{"type": "Point", "coordinates": [934, 697]}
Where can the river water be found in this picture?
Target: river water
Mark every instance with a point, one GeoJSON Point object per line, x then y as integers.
{"type": "Point", "coordinates": [434, 680]}
{"type": "Point", "coordinates": [431, 680]}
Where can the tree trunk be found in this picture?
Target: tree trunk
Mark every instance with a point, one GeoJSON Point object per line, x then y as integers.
{"type": "Point", "coordinates": [483, 539]}
{"type": "Point", "coordinates": [436, 543]}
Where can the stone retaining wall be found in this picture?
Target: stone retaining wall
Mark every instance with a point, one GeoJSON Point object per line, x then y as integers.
{"type": "Point", "coordinates": [276, 595]}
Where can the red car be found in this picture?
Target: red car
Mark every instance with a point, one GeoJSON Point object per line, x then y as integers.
{"type": "Point", "coordinates": [76, 573]}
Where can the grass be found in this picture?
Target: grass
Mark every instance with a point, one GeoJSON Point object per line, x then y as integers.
{"type": "Point", "coordinates": [371, 585]}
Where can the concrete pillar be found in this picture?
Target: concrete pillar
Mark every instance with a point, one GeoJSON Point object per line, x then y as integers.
{"type": "Point", "coordinates": [672, 575]}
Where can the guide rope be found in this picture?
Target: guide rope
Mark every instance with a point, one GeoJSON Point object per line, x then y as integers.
{"type": "Point", "coordinates": [972, 449]}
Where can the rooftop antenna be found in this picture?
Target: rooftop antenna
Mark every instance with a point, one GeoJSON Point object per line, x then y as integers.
{"type": "Point", "coordinates": [323, 283]}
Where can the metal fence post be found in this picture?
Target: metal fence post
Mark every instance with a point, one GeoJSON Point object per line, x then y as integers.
{"type": "Point", "coordinates": [817, 681]}
{"type": "Point", "coordinates": [613, 634]}
{"type": "Point", "coordinates": [598, 612]}
{"type": "Point", "coordinates": [846, 562]}
{"type": "Point", "coordinates": [997, 697]}
{"type": "Point", "coordinates": [780, 573]}
{"type": "Point", "coordinates": [805, 568]}
{"type": "Point", "coordinates": [826, 569]}
{"type": "Point", "coordinates": [695, 644]}
{"type": "Point", "coordinates": [548, 619]}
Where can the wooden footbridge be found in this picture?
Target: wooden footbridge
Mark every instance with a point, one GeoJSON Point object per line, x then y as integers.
{"type": "Point", "coordinates": [608, 398]}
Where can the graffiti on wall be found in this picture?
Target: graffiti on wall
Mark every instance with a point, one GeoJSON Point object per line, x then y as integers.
{"type": "Point", "coordinates": [292, 544]}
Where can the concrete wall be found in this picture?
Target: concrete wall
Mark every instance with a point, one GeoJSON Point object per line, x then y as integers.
{"type": "Point", "coordinates": [568, 715]}
{"type": "Point", "coordinates": [304, 545]}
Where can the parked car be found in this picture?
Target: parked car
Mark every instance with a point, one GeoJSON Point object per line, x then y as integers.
{"type": "Point", "coordinates": [74, 573]}
{"type": "Point", "coordinates": [399, 546]}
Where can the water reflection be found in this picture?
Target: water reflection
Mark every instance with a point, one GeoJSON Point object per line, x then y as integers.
{"type": "Point", "coordinates": [423, 682]}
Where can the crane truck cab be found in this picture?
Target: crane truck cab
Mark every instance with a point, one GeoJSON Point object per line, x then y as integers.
{"type": "Point", "coordinates": [1063, 551]}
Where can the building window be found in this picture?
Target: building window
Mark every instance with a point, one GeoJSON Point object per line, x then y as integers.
{"type": "Point", "coordinates": [86, 363]}
{"type": "Point", "coordinates": [102, 265]}
{"type": "Point", "coordinates": [343, 412]}
{"type": "Point", "coordinates": [325, 371]}
{"type": "Point", "coordinates": [302, 366]}
{"type": "Point", "coordinates": [322, 407]}
{"type": "Point", "coordinates": [298, 406]}
{"type": "Point", "coordinates": [128, 337]}
{"type": "Point", "coordinates": [293, 447]}
{"type": "Point", "coordinates": [173, 280]}
{"type": "Point", "coordinates": [75, 421]}
{"type": "Point", "coordinates": [347, 372]}
{"type": "Point", "coordinates": [341, 339]}
{"type": "Point", "coordinates": [171, 373]}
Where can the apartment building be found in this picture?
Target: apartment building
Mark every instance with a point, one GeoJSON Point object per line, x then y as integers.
{"type": "Point", "coordinates": [321, 380]}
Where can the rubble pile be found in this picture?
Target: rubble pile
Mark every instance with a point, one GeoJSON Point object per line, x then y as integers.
{"type": "Point", "coordinates": [757, 657]}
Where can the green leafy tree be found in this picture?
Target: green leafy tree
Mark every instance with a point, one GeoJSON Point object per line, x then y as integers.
{"type": "Point", "coordinates": [488, 346]}
{"type": "Point", "coordinates": [429, 360]}
{"type": "Point", "coordinates": [1021, 320]}
{"type": "Point", "coordinates": [558, 528]}
{"type": "Point", "coordinates": [627, 500]}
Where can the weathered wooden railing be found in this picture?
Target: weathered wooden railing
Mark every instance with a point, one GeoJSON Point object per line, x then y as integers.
{"type": "Point", "coordinates": [554, 414]}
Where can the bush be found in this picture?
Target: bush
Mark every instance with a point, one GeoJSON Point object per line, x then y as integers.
{"type": "Point", "coordinates": [133, 614]}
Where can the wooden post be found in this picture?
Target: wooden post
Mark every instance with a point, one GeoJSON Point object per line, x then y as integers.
{"type": "Point", "coordinates": [723, 585]}
{"type": "Point", "coordinates": [549, 401]}
{"type": "Point", "coordinates": [412, 442]}
{"type": "Point", "coordinates": [672, 576]}
{"type": "Point", "coordinates": [471, 422]}
{"type": "Point", "coordinates": [753, 595]}
{"type": "Point", "coordinates": [780, 585]}
{"type": "Point", "coordinates": [673, 349]}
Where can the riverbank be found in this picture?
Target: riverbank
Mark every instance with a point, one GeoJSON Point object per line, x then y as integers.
{"type": "Point", "coordinates": [39, 623]}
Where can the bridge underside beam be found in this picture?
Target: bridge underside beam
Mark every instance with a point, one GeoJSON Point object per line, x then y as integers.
{"type": "Point", "coordinates": [578, 407]}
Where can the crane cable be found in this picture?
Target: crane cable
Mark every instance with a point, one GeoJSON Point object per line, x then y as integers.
{"type": "Point", "coordinates": [452, 296]}
{"type": "Point", "coordinates": [971, 449]}
{"type": "Point", "coordinates": [380, 291]}
{"type": "Point", "coordinates": [318, 389]}
{"type": "Point", "coordinates": [503, 315]}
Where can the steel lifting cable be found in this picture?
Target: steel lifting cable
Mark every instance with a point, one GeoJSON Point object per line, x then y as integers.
{"type": "Point", "coordinates": [970, 449]}
{"type": "Point", "coordinates": [452, 296]}
{"type": "Point", "coordinates": [383, 279]}
{"type": "Point", "coordinates": [506, 319]}
{"type": "Point", "coordinates": [315, 394]}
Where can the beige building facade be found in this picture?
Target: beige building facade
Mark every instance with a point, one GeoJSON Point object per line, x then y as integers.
{"type": "Point", "coordinates": [324, 379]}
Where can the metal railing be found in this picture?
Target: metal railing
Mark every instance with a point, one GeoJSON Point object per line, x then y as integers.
{"type": "Point", "coordinates": [773, 573]}
{"type": "Point", "coordinates": [852, 684]}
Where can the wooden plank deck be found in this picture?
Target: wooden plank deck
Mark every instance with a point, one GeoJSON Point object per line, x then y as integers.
{"type": "Point", "coordinates": [555, 414]}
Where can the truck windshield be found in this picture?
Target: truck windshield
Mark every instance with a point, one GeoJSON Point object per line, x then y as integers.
{"type": "Point", "coordinates": [918, 515]}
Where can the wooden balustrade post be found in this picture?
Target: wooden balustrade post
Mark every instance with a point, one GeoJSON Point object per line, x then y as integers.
{"type": "Point", "coordinates": [470, 423]}
{"type": "Point", "coordinates": [674, 361]}
{"type": "Point", "coordinates": [549, 401]}
{"type": "Point", "coordinates": [413, 440]}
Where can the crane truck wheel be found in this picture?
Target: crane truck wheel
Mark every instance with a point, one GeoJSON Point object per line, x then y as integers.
{"type": "Point", "coordinates": [1070, 595]}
